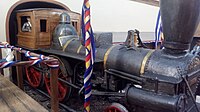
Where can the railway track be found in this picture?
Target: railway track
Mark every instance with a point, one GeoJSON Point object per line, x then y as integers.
{"type": "Point", "coordinates": [43, 98]}
{"type": "Point", "coordinates": [75, 103]}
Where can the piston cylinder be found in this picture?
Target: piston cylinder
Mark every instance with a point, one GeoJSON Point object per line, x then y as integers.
{"type": "Point", "coordinates": [154, 102]}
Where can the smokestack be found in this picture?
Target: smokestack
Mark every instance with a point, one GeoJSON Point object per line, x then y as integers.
{"type": "Point", "coordinates": [179, 22]}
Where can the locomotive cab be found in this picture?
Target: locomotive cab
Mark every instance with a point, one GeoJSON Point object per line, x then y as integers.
{"type": "Point", "coordinates": [43, 22]}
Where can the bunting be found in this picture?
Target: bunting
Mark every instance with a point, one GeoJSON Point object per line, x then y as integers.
{"type": "Point", "coordinates": [88, 39]}
{"type": "Point", "coordinates": [34, 59]}
{"type": "Point", "coordinates": [158, 30]}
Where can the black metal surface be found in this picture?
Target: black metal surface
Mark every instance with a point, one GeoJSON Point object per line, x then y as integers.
{"type": "Point", "coordinates": [169, 66]}
{"type": "Point", "coordinates": [139, 39]}
{"type": "Point", "coordinates": [126, 76]}
{"type": "Point", "coordinates": [179, 21]}
{"type": "Point", "coordinates": [68, 83]}
{"type": "Point", "coordinates": [130, 39]}
{"type": "Point", "coordinates": [100, 93]}
{"type": "Point", "coordinates": [154, 102]}
{"type": "Point", "coordinates": [191, 93]}
{"type": "Point", "coordinates": [101, 47]}
{"type": "Point", "coordinates": [69, 55]}
{"type": "Point", "coordinates": [103, 39]}
{"type": "Point", "coordinates": [123, 77]}
{"type": "Point", "coordinates": [126, 60]}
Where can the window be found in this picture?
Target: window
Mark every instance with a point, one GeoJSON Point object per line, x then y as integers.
{"type": "Point", "coordinates": [43, 25]}
{"type": "Point", "coordinates": [26, 24]}
{"type": "Point", "coordinates": [74, 23]}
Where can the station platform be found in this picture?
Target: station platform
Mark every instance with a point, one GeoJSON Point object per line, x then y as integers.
{"type": "Point", "coordinates": [13, 99]}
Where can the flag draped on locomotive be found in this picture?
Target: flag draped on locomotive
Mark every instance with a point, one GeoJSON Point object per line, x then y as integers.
{"type": "Point", "coordinates": [167, 78]}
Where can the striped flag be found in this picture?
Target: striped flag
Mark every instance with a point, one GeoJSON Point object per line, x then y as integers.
{"type": "Point", "coordinates": [158, 30]}
{"type": "Point", "coordinates": [88, 38]}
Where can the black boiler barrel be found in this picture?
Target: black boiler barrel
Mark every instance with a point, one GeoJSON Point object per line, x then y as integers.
{"type": "Point", "coordinates": [128, 60]}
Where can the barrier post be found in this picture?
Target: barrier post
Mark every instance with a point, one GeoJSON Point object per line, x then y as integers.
{"type": "Point", "coordinates": [54, 87]}
{"type": "Point", "coordinates": [19, 72]}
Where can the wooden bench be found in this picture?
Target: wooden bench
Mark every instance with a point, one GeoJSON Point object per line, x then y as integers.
{"type": "Point", "coordinates": [13, 99]}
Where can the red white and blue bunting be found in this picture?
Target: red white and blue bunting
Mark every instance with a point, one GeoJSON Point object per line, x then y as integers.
{"type": "Point", "coordinates": [34, 59]}
{"type": "Point", "coordinates": [88, 38]}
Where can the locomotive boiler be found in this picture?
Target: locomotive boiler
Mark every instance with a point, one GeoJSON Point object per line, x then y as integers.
{"type": "Point", "coordinates": [153, 80]}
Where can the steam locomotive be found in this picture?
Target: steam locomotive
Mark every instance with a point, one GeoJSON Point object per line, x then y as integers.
{"type": "Point", "coordinates": [149, 80]}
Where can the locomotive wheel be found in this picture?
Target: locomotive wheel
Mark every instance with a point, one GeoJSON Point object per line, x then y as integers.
{"type": "Point", "coordinates": [116, 107]}
{"type": "Point", "coordinates": [34, 76]}
{"type": "Point", "coordinates": [64, 91]}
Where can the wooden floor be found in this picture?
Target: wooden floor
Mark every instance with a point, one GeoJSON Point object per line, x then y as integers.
{"type": "Point", "coordinates": [13, 99]}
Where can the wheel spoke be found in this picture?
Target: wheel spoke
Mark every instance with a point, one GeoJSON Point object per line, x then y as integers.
{"type": "Point", "coordinates": [34, 76]}
{"type": "Point", "coordinates": [36, 79]}
{"type": "Point", "coordinates": [62, 89]}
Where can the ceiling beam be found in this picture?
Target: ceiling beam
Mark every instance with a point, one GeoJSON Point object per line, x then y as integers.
{"type": "Point", "coordinates": [149, 2]}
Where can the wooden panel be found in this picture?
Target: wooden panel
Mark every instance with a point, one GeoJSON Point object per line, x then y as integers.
{"type": "Point", "coordinates": [76, 17]}
{"type": "Point", "coordinates": [43, 13]}
{"type": "Point", "coordinates": [43, 38]}
{"type": "Point", "coordinates": [13, 99]}
{"type": "Point", "coordinates": [19, 20]}
{"type": "Point", "coordinates": [53, 25]}
{"type": "Point", "coordinates": [43, 46]}
{"type": "Point", "coordinates": [26, 41]}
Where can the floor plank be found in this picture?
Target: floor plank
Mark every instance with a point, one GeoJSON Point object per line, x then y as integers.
{"type": "Point", "coordinates": [13, 99]}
